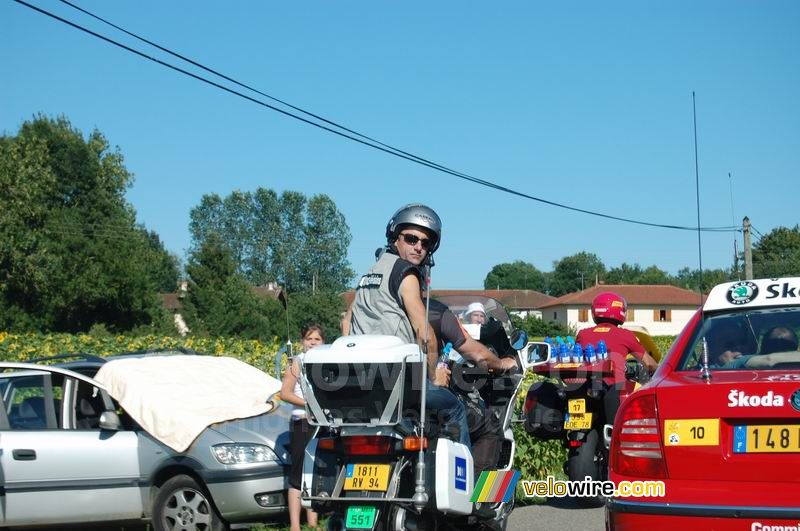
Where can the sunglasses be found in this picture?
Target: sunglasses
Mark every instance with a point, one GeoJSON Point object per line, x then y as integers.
{"type": "Point", "coordinates": [412, 240]}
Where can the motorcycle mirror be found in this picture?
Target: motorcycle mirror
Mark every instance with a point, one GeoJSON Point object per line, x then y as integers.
{"type": "Point", "coordinates": [539, 352]}
{"type": "Point", "coordinates": [518, 339]}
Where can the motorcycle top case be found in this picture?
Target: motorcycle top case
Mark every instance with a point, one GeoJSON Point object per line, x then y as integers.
{"type": "Point", "coordinates": [365, 380]}
{"type": "Point", "coordinates": [454, 477]}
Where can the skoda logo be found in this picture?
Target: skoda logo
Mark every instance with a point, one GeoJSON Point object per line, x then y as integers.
{"type": "Point", "coordinates": [795, 400]}
{"type": "Point", "coordinates": [742, 292]}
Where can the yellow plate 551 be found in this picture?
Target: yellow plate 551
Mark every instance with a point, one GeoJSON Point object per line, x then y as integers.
{"type": "Point", "coordinates": [691, 432]}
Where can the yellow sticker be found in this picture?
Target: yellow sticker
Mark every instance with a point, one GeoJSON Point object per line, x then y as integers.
{"type": "Point", "coordinates": [691, 432]}
{"type": "Point", "coordinates": [601, 329]}
{"type": "Point", "coordinates": [568, 365]}
{"type": "Point", "coordinates": [617, 304]}
{"type": "Point", "coordinates": [577, 405]}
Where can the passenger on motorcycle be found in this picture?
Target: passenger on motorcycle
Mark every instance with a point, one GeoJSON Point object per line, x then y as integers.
{"type": "Point", "coordinates": [475, 314]}
{"type": "Point", "coordinates": [484, 426]}
{"type": "Point", "coordinates": [608, 313]}
{"type": "Point", "coordinates": [388, 301]}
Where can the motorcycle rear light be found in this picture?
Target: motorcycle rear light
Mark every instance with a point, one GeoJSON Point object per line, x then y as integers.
{"type": "Point", "coordinates": [636, 444]}
{"type": "Point", "coordinates": [413, 443]}
{"type": "Point", "coordinates": [575, 444]}
{"type": "Point", "coordinates": [530, 403]}
{"type": "Point", "coordinates": [326, 444]}
{"type": "Point", "coordinates": [367, 445]}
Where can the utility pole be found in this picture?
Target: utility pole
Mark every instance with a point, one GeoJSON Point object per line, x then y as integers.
{"type": "Point", "coordinates": [748, 250]}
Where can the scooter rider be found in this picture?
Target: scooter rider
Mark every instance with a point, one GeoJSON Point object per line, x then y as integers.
{"type": "Point", "coordinates": [388, 300]}
{"type": "Point", "coordinates": [608, 313]}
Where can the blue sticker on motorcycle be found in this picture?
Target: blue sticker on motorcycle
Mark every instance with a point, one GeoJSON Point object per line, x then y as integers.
{"type": "Point", "coordinates": [349, 471]}
{"type": "Point", "coordinates": [461, 473]}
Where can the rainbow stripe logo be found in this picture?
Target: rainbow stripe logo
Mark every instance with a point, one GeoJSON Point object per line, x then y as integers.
{"type": "Point", "coordinates": [495, 486]}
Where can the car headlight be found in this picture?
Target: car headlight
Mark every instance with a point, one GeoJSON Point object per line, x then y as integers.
{"type": "Point", "coordinates": [239, 454]}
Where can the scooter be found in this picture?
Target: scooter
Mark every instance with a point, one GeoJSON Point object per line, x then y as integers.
{"type": "Point", "coordinates": [383, 463]}
{"type": "Point", "coordinates": [579, 403]}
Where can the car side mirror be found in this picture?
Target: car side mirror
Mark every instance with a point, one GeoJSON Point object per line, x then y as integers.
{"type": "Point", "coordinates": [518, 339]}
{"type": "Point", "coordinates": [109, 420]}
{"type": "Point", "coordinates": [539, 352]}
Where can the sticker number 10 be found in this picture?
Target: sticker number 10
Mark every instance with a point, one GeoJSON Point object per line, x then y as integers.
{"type": "Point", "coordinates": [698, 432]}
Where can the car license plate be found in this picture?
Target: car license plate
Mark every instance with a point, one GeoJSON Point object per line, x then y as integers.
{"type": "Point", "coordinates": [577, 405]}
{"type": "Point", "coordinates": [772, 438]}
{"type": "Point", "coordinates": [691, 432]}
{"type": "Point", "coordinates": [360, 517]}
{"type": "Point", "coordinates": [366, 477]}
{"type": "Point", "coordinates": [578, 421]}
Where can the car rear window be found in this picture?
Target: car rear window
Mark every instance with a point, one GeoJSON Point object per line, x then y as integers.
{"type": "Point", "coordinates": [762, 339]}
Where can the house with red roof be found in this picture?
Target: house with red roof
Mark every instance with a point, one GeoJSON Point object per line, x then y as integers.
{"type": "Point", "coordinates": [522, 302]}
{"type": "Point", "coordinates": [663, 310]}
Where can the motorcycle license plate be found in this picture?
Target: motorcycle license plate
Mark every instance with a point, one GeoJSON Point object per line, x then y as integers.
{"type": "Point", "coordinates": [578, 421]}
{"type": "Point", "coordinates": [360, 517]}
{"type": "Point", "coordinates": [366, 477]}
{"type": "Point", "coordinates": [577, 405]}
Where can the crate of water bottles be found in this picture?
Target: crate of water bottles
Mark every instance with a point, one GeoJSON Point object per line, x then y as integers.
{"type": "Point", "coordinates": [567, 354]}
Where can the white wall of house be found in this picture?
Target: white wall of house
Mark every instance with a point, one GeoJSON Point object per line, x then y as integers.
{"type": "Point", "coordinates": [647, 316]}
{"type": "Point", "coordinates": [525, 313]}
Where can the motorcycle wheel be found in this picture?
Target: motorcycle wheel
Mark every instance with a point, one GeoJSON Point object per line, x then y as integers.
{"type": "Point", "coordinates": [589, 459]}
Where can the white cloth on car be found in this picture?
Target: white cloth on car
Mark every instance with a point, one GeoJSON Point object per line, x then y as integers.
{"type": "Point", "coordinates": [174, 398]}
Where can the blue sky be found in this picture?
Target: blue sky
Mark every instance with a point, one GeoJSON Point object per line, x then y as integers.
{"type": "Point", "coordinates": [584, 103]}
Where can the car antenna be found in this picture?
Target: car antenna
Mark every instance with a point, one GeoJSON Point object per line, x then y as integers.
{"type": "Point", "coordinates": [705, 374]}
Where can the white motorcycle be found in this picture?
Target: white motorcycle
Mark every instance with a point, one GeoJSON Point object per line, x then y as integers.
{"type": "Point", "coordinates": [381, 462]}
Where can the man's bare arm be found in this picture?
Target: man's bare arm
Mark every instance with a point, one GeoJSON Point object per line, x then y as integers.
{"type": "Point", "coordinates": [346, 319]}
{"type": "Point", "coordinates": [415, 310]}
{"type": "Point", "coordinates": [478, 353]}
{"type": "Point", "coordinates": [770, 360]}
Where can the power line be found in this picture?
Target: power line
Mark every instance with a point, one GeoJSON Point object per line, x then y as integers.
{"type": "Point", "coordinates": [364, 140]}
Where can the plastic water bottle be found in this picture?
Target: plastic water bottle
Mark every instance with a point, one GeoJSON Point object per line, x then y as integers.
{"type": "Point", "coordinates": [564, 355]}
{"type": "Point", "coordinates": [602, 351]}
{"type": "Point", "coordinates": [589, 353]}
{"type": "Point", "coordinates": [570, 341]}
{"type": "Point", "coordinates": [577, 353]}
{"type": "Point", "coordinates": [443, 358]}
{"type": "Point", "coordinates": [553, 351]}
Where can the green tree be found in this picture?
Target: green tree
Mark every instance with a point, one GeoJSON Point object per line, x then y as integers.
{"type": "Point", "coordinates": [300, 243]}
{"type": "Point", "coordinates": [71, 254]}
{"type": "Point", "coordinates": [220, 301]}
{"type": "Point", "coordinates": [691, 279]}
{"type": "Point", "coordinates": [777, 254]}
{"type": "Point", "coordinates": [536, 327]}
{"type": "Point", "coordinates": [575, 272]}
{"type": "Point", "coordinates": [634, 274]}
{"type": "Point", "coordinates": [515, 275]}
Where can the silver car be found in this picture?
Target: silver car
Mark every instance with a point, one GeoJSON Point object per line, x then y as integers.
{"type": "Point", "coordinates": [69, 454]}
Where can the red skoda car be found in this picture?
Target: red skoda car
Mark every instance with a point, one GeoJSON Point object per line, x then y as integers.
{"type": "Point", "coordinates": [719, 423]}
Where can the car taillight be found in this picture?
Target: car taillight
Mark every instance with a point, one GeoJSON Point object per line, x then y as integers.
{"type": "Point", "coordinates": [367, 445]}
{"type": "Point", "coordinates": [636, 448]}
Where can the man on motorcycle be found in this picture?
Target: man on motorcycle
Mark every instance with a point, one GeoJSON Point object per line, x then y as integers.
{"type": "Point", "coordinates": [388, 300]}
{"type": "Point", "coordinates": [608, 313]}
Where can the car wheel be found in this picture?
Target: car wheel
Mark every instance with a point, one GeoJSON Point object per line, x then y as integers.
{"type": "Point", "coordinates": [589, 459]}
{"type": "Point", "coordinates": [182, 504]}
